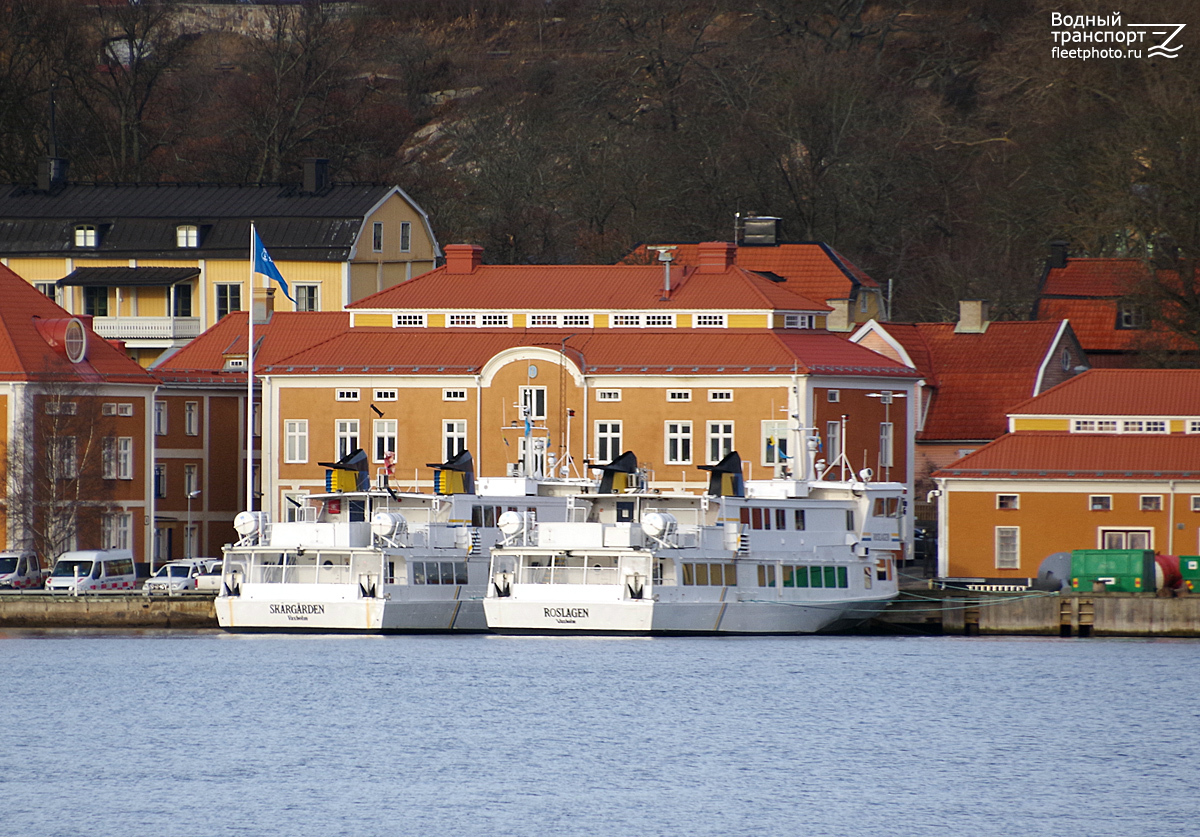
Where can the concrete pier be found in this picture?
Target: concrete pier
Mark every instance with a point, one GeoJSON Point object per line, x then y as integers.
{"type": "Point", "coordinates": [106, 610]}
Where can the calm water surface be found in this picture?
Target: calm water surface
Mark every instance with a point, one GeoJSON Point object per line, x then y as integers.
{"type": "Point", "coordinates": [204, 733]}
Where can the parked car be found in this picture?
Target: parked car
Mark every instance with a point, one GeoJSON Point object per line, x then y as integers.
{"type": "Point", "coordinates": [210, 578]}
{"type": "Point", "coordinates": [175, 576]}
{"type": "Point", "coordinates": [21, 571]}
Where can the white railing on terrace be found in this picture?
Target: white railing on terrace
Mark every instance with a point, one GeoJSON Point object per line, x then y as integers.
{"type": "Point", "coordinates": [310, 573]}
{"type": "Point", "coordinates": [141, 328]}
{"type": "Point", "coordinates": [568, 575]}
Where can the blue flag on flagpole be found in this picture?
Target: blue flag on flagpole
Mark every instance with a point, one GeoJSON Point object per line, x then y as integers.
{"type": "Point", "coordinates": [264, 265]}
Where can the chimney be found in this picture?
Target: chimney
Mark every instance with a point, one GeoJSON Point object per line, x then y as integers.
{"type": "Point", "coordinates": [52, 172]}
{"type": "Point", "coordinates": [716, 256]}
{"type": "Point", "coordinates": [316, 175]}
{"type": "Point", "coordinates": [264, 305]}
{"type": "Point", "coordinates": [972, 316]}
{"type": "Point", "coordinates": [1058, 254]}
{"type": "Point", "coordinates": [463, 258]}
{"type": "Point", "coordinates": [841, 318]}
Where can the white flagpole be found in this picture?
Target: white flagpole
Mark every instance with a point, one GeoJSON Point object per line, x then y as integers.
{"type": "Point", "coordinates": [250, 383]}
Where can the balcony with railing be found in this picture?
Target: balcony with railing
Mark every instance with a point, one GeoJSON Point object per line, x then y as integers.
{"type": "Point", "coordinates": [147, 328]}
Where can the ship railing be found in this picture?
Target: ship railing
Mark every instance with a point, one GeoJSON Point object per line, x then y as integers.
{"type": "Point", "coordinates": [312, 568]}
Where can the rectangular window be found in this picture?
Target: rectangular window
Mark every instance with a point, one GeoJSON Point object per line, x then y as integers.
{"type": "Point", "coordinates": [886, 446]}
{"type": "Point", "coordinates": [497, 320]}
{"type": "Point", "coordinates": [1151, 502]}
{"type": "Point", "coordinates": [608, 440]}
{"type": "Point", "coordinates": [377, 237]}
{"type": "Point", "coordinates": [295, 440]}
{"type": "Point", "coordinates": [608, 395]}
{"type": "Point", "coordinates": [347, 437]}
{"type": "Point", "coordinates": [774, 442]}
{"type": "Point", "coordinates": [49, 289]}
{"type": "Point", "coordinates": [833, 441]}
{"type": "Point", "coordinates": [577, 320]}
{"type": "Point", "coordinates": [191, 418]}
{"type": "Point", "coordinates": [108, 458]}
{"type": "Point", "coordinates": [1100, 502]}
{"type": "Point", "coordinates": [191, 480]}
{"type": "Point", "coordinates": [1083, 426]}
{"type": "Point", "coordinates": [347, 395]}
{"type": "Point", "coordinates": [1193, 426]}
{"type": "Point", "coordinates": [454, 436]}
{"type": "Point", "coordinates": [229, 299]}
{"type": "Point", "coordinates": [160, 480]}
{"type": "Point", "coordinates": [463, 320]}
{"type": "Point", "coordinates": [95, 301]}
{"type": "Point", "coordinates": [385, 439]}
{"type": "Point", "coordinates": [122, 409]}
{"type": "Point", "coordinates": [799, 320]}
{"type": "Point", "coordinates": [1008, 501]}
{"type": "Point", "coordinates": [766, 575]}
{"type": "Point", "coordinates": [307, 297]}
{"type": "Point", "coordinates": [533, 402]}
{"type": "Point", "coordinates": [454, 395]}
{"type": "Point", "coordinates": [1126, 539]}
{"type": "Point", "coordinates": [679, 395]}
{"type": "Point", "coordinates": [85, 235]}
{"type": "Point", "coordinates": [385, 395]}
{"type": "Point", "coordinates": [408, 321]}
{"type": "Point", "coordinates": [720, 440]}
{"type": "Point", "coordinates": [160, 418]}
{"type": "Point", "coordinates": [660, 320]}
{"type": "Point", "coordinates": [543, 320]}
{"type": "Point", "coordinates": [63, 408]}
{"type": "Point", "coordinates": [256, 419]}
{"type": "Point", "coordinates": [1196, 502]}
{"type": "Point", "coordinates": [710, 321]}
{"type": "Point", "coordinates": [833, 396]}
{"type": "Point", "coordinates": [627, 320]}
{"type": "Point", "coordinates": [720, 395]}
{"type": "Point", "coordinates": [293, 504]}
{"type": "Point", "coordinates": [181, 300]}
{"type": "Point", "coordinates": [115, 530]}
{"type": "Point", "coordinates": [799, 519]}
{"type": "Point", "coordinates": [405, 236]}
{"type": "Point", "coordinates": [849, 520]}
{"type": "Point", "coordinates": [187, 236]}
{"type": "Point", "coordinates": [678, 443]}
{"type": "Point", "coordinates": [125, 458]}
{"type": "Point", "coordinates": [1008, 547]}
{"type": "Point", "coordinates": [1131, 316]}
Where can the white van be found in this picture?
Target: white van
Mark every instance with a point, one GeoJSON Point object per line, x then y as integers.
{"type": "Point", "coordinates": [21, 571]}
{"type": "Point", "coordinates": [93, 569]}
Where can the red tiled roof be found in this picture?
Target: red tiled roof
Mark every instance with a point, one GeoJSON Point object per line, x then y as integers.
{"type": "Point", "coordinates": [816, 270]}
{"type": "Point", "coordinates": [587, 288]}
{"type": "Point", "coordinates": [25, 355]}
{"type": "Point", "coordinates": [1094, 278]}
{"type": "Point", "coordinates": [978, 378]}
{"type": "Point", "coordinates": [328, 347]}
{"type": "Point", "coordinates": [1120, 392]}
{"type": "Point", "coordinates": [1038, 455]}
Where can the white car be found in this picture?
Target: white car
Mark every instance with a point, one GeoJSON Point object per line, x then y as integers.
{"type": "Point", "coordinates": [174, 577]}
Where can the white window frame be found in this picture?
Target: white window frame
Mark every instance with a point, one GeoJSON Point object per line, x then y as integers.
{"type": "Point", "coordinates": [408, 321]}
{"type": "Point", "coordinates": [887, 444]}
{"type": "Point", "coordinates": [454, 437]}
{"type": "Point", "coordinates": [1008, 552]}
{"type": "Point", "coordinates": [1155, 500]}
{"type": "Point", "coordinates": [721, 395]}
{"type": "Point", "coordinates": [608, 439]}
{"type": "Point", "coordinates": [64, 456]}
{"type": "Point", "coordinates": [308, 289]}
{"type": "Point", "coordinates": [710, 321]}
{"type": "Point", "coordinates": [833, 441]}
{"type": "Point", "coordinates": [577, 320]}
{"type": "Point", "coordinates": [377, 237]}
{"type": "Point", "coordinates": [405, 236]}
{"type": "Point", "coordinates": [346, 436]}
{"type": "Point", "coordinates": [125, 457]}
{"type": "Point", "coordinates": [160, 418]}
{"type": "Point", "coordinates": [833, 396]}
{"type": "Point", "coordinates": [1016, 502]}
{"type": "Point", "coordinates": [460, 319]}
{"type": "Point", "coordinates": [1105, 537]}
{"type": "Point", "coordinates": [495, 320]}
{"type": "Point", "coordinates": [295, 441]}
{"type": "Point", "coordinates": [187, 236]}
{"type": "Point", "coordinates": [384, 433]}
{"type": "Point", "coordinates": [678, 443]}
{"type": "Point", "coordinates": [660, 321]}
{"type": "Point", "coordinates": [776, 429]}
{"type": "Point", "coordinates": [108, 458]}
{"type": "Point", "coordinates": [122, 409]}
{"type": "Point", "coordinates": [191, 478]}
{"type": "Point", "coordinates": [86, 235]}
{"type": "Point", "coordinates": [348, 395]}
{"type": "Point", "coordinates": [541, 320]}
{"type": "Point", "coordinates": [116, 529]}
{"type": "Point", "coordinates": [719, 440]}
{"type": "Point", "coordinates": [530, 397]}
{"type": "Point", "coordinates": [1106, 505]}
{"type": "Point", "coordinates": [625, 320]}
{"type": "Point", "coordinates": [229, 289]}
{"type": "Point", "coordinates": [48, 289]}
{"type": "Point", "coordinates": [679, 396]}
{"type": "Point", "coordinates": [806, 321]}
{"type": "Point", "coordinates": [160, 480]}
{"type": "Point", "coordinates": [454, 395]}
{"type": "Point", "coordinates": [387, 395]}
{"type": "Point", "coordinates": [608, 395]}
{"type": "Point", "coordinates": [191, 418]}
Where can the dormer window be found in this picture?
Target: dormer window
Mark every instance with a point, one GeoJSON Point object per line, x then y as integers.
{"type": "Point", "coordinates": [85, 235]}
{"type": "Point", "coordinates": [1131, 316]}
{"type": "Point", "coordinates": [187, 235]}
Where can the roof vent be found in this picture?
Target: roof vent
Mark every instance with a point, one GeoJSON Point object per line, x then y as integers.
{"type": "Point", "coordinates": [760, 231]}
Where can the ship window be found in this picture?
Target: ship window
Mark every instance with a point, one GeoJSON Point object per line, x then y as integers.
{"type": "Point", "coordinates": [780, 518]}
{"type": "Point", "coordinates": [799, 519]}
{"type": "Point", "coordinates": [624, 512]}
{"type": "Point", "coordinates": [766, 575]}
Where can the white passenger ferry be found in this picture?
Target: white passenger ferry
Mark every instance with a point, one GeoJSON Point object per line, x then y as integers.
{"type": "Point", "coordinates": [375, 560]}
{"type": "Point", "coordinates": [780, 556]}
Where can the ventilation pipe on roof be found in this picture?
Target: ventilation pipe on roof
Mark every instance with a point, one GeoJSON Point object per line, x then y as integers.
{"type": "Point", "coordinates": [666, 256]}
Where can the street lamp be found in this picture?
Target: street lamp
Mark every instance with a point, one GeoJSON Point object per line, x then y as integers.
{"type": "Point", "coordinates": [187, 536]}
